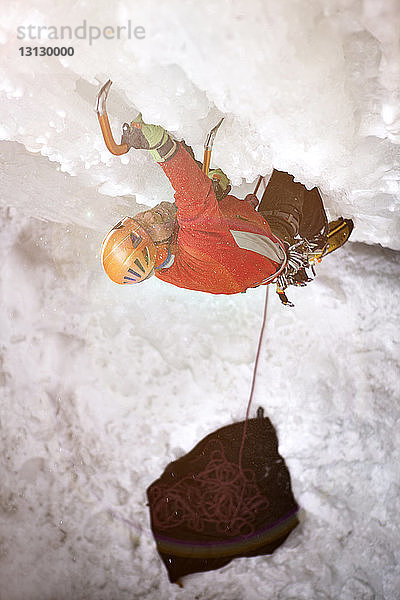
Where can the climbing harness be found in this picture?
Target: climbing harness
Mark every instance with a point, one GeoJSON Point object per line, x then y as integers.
{"type": "Point", "coordinates": [304, 254]}
{"type": "Point", "coordinates": [307, 250]}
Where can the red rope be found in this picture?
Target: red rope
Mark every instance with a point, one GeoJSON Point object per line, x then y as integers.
{"type": "Point", "coordinates": [223, 495]}
{"type": "Point", "coordinates": [253, 383]}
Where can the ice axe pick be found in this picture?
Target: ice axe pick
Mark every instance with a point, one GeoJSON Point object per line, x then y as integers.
{"type": "Point", "coordinates": [208, 144]}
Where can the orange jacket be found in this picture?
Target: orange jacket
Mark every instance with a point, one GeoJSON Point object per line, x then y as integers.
{"type": "Point", "coordinates": [212, 241]}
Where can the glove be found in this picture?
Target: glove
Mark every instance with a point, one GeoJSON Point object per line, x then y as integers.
{"type": "Point", "coordinates": [219, 175]}
{"type": "Point", "coordinates": [221, 183]}
{"type": "Point", "coordinates": [154, 138]}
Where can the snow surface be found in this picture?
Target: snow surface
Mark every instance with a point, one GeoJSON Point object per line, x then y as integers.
{"type": "Point", "coordinates": [102, 386]}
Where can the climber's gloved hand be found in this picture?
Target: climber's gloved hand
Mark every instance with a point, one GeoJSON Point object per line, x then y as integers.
{"type": "Point", "coordinates": [221, 183]}
{"type": "Point", "coordinates": [219, 175]}
{"type": "Point", "coordinates": [154, 138]}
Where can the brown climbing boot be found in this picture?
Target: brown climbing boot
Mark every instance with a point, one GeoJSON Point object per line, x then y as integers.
{"type": "Point", "coordinates": [282, 205]}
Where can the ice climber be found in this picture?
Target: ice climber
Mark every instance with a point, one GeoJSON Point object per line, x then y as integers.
{"type": "Point", "coordinates": [208, 240]}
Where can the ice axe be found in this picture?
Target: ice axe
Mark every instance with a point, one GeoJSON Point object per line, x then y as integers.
{"type": "Point", "coordinates": [101, 110]}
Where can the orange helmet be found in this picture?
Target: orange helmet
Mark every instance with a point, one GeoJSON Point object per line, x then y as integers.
{"type": "Point", "coordinates": [128, 253]}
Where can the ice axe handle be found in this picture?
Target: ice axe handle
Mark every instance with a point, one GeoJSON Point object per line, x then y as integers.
{"type": "Point", "coordinates": [206, 160]}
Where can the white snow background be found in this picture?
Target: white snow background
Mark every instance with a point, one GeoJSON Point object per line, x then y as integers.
{"type": "Point", "coordinates": [102, 386]}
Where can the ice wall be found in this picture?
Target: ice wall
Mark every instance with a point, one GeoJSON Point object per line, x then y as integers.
{"type": "Point", "coordinates": [307, 87]}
